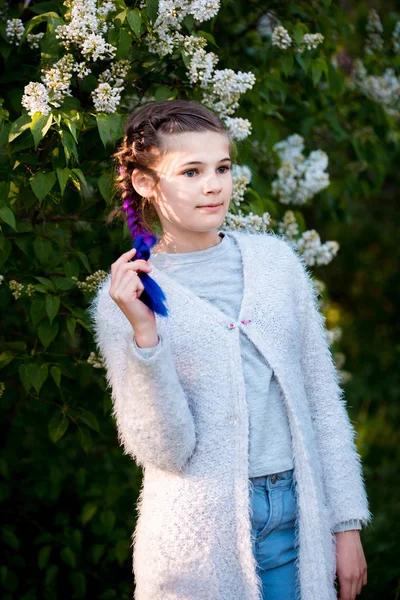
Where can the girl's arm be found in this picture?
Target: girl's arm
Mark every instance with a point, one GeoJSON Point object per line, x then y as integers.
{"type": "Point", "coordinates": [154, 423]}
{"type": "Point", "coordinates": [335, 435]}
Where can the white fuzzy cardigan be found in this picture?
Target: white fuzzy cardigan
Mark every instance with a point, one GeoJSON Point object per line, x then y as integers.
{"type": "Point", "coordinates": [187, 425]}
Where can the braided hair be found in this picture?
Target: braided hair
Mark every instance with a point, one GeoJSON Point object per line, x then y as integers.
{"type": "Point", "coordinates": [141, 148]}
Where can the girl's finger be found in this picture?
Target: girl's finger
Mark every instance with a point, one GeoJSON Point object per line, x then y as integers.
{"type": "Point", "coordinates": [137, 265]}
{"type": "Point", "coordinates": [125, 256]}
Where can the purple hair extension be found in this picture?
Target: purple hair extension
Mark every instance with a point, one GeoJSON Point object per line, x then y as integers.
{"type": "Point", "coordinates": [152, 295]}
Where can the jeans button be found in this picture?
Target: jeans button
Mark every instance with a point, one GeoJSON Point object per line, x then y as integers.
{"type": "Point", "coordinates": [273, 478]}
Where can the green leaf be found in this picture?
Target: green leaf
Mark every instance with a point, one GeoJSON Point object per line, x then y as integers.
{"type": "Point", "coordinates": [58, 425]}
{"type": "Point", "coordinates": [110, 127]}
{"type": "Point", "coordinates": [299, 30]}
{"type": "Point", "coordinates": [90, 419]}
{"type": "Point", "coordinates": [63, 175]}
{"type": "Point", "coordinates": [106, 186]}
{"type": "Point", "coordinates": [43, 557]}
{"type": "Point", "coordinates": [124, 43]}
{"type": "Point", "coordinates": [71, 325]}
{"type": "Point", "coordinates": [318, 66]}
{"type": "Point", "coordinates": [40, 125]}
{"type": "Point", "coordinates": [37, 375]}
{"type": "Point", "coordinates": [84, 259]}
{"type": "Point", "coordinates": [85, 439]}
{"type": "Point", "coordinates": [52, 306]}
{"type": "Point", "coordinates": [165, 93]}
{"type": "Point", "coordinates": [63, 283]}
{"type": "Point", "coordinates": [22, 123]}
{"type": "Point", "coordinates": [78, 581]}
{"type": "Point", "coordinates": [4, 133]}
{"type": "Point", "coordinates": [107, 517]}
{"type": "Point", "coordinates": [68, 556]}
{"type": "Point", "coordinates": [43, 249]}
{"type": "Point", "coordinates": [304, 62]}
{"type": "Point", "coordinates": [287, 62]}
{"type": "Point", "coordinates": [49, 285]}
{"type": "Point", "coordinates": [5, 358]}
{"type": "Point", "coordinates": [96, 552]}
{"type": "Point", "coordinates": [122, 551]}
{"type": "Point", "coordinates": [80, 175]}
{"type": "Point", "coordinates": [135, 21]}
{"type": "Point", "coordinates": [56, 375]}
{"type": "Point", "coordinates": [10, 538]}
{"type": "Point", "coordinates": [47, 333]}
{"type": "Point", "coordinates": [39, 19]}
{"type": "Point", "coordinates": [69, 145]}
{"type": "Point", "coordinates": [41, 184]}
{"type": "Point", "coordinates": [208, 36]}
{"type": "Point", "coordinates": [152, 9]}
{"type": "Point", "coordinates": [24, 377]}
{"type": "Point", "coordinates": [88, 512]}
{"type": "Point", "coordinates": [4, 192]}
{"type": "Point", "coordinates": [7, 215]}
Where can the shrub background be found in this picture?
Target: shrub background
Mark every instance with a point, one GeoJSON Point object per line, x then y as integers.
{"type": "Point", "coordinates": [67, 492]}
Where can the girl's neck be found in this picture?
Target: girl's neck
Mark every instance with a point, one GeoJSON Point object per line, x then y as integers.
{"type": "Point", "coordinates": [172, 248]}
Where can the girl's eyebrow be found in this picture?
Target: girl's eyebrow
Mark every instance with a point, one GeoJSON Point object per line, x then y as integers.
{"type": "Point", "coordinates": [198, 162]}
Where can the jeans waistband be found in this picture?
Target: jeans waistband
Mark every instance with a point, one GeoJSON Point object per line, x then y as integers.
{"type": "Point", "coordinates": [274, 479]}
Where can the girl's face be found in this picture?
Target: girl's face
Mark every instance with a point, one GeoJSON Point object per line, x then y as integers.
{"type": "Point", "coordinates": [194, 172]}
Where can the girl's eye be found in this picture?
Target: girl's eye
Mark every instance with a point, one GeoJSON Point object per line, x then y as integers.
{"type": "Point", "coordinates": [196, 171]}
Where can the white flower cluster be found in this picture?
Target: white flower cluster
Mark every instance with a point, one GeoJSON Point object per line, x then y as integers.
{"type": "Point", "coordinates": [299, 178]}
{"type": "Point", "coordinates": [288, 226]}
{"type": "Point", "coordinates": [222, 88]}
{"type": "Point", "coordinates": [14, 30]}
{"type": "Point", "coordinates": [1, 279]}
{"type": "Point", "coordinates": [309, 243]}
{"type": "Point", "coordinates": [315, 253]}
{"type": "Point", "coordinates": [281, 38]}
{"type": "Point", "coordinates": [374, 40]}
{"type": "Point", "coordinates": [313, 40]}
{"type": "Point", "coordinates": [383, 89]}
{"type": "Point", "coordinates": [107, 95]}
{"type": "Point", "coordinates": [86, 28]}
{"type": "Point", "coordinates": [169, 20]}
{"type": "Point", "coordinates": [81, 69]}
{"type": "Point", "coordinates": [91, 281]}
{"type": "Point", "coordinates": [40, 97]}
{"type": "Point", "coordinates": [241, 177]}
{"type": "Point", "coordinates": [95, 360]}
{"type": "Point", "coordinates": [396, 38]}
{"type": "Point", "coordinates": [16, 288]}
{"type": "Point", "coordinates": [57, 80]}
{"type": "Point", "coordinates": [36, 99]}
{"type": "Point", "coordinates": [250, 223]}
{"type": "Point", "coordinates": [334, 335]}
{"type": "Point", "coordinates": [33, 39]}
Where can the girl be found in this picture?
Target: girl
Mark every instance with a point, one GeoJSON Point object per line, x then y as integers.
{"type": "Point", "coordinates": [230, 402]}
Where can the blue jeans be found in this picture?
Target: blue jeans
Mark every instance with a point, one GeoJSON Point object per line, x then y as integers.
{"type": "Point", "coordinates": [274, 508]}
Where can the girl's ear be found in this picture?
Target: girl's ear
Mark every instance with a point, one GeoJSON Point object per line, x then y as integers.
{"type": "Point", "coordinates": [141, 182]}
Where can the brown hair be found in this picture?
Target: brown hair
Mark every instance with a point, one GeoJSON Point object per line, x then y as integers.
{"type": "Point", "coordinates": [142, 146]}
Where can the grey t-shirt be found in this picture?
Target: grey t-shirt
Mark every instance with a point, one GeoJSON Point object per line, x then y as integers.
{"type": "Point", "coordinates": [215, 274]}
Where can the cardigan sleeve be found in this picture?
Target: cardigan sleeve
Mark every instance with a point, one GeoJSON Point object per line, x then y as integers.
{"type": "Point", "coordinates": [154, 422]}
{"type": "Point", "coordinates": [335, 435]}
{"type": "Point", "coordinates": [347, 526]}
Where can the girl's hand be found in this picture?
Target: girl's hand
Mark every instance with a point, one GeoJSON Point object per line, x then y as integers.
{"type": "Point", "coordinates": [126, 288]}
{"type": "Point", "coordinates": [351, 567]}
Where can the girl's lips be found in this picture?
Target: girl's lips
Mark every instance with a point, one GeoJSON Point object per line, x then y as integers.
{"type": "Point", "coordinates": [211, 208]}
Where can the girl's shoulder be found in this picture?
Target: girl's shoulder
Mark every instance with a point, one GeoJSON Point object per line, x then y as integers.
{"type": "Point", "coordinates": [276, 245]}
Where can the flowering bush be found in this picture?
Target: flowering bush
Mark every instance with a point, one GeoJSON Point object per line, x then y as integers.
{"type": "Point", "coordinates": [290, 87]}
